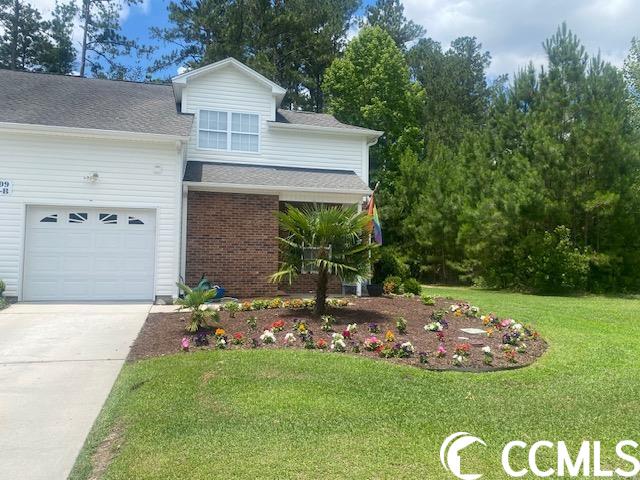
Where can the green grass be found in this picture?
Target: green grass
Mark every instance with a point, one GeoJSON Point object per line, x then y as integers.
{"type": "Point", "coordinates": [305, 414]}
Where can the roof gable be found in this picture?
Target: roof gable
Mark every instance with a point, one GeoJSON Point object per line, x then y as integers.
{"type": "Point", "coordinates": [181, 80]}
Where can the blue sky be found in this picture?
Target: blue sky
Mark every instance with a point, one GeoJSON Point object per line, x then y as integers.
{"type": "Point", "coordinates": [512, 30]}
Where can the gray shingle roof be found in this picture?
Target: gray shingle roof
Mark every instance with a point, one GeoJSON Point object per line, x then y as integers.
{"type": "Point", "coordinates": [312, 119]}
{"type": "Point", "coordinates": [277, 177]}
{"type": "Point", "coordinates": [65, 101]}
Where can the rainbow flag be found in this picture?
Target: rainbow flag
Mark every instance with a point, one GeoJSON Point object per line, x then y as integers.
{"type": "Point", "coordinates": [375, 226]}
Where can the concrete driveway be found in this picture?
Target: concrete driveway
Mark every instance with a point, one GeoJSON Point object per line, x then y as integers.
{"type": "Point", "coordinates": [57, 366]}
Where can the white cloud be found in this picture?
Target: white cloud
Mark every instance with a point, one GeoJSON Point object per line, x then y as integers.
{"type": "Point", "coordinates": [513, 30]}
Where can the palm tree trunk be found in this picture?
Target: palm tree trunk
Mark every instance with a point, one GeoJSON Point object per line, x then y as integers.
{"type": "Point", "coordinates": [321, 291]}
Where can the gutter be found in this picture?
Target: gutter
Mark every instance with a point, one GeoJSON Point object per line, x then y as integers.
{"type": "Point", "coordinates": [272, 188]}
{"type": "Point", "coordinates": [89, 132]}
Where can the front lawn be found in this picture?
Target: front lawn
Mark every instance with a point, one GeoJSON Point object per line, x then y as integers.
{"type": "Point", "coordinates": [306, 414]}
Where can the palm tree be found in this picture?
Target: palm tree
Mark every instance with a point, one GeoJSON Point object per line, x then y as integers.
{"type": "Point", "coordinates": [327, 240]}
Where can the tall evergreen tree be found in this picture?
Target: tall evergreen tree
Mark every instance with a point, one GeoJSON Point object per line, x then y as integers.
{"type": "Point", "coordinates": [389, 15]}
{"type": "Point", "coordinates": [290, 42]}
{"type": "Point", "coordinates": [59, 53]}
{"type": "Point", "coordinates": [103, 43]}
{"type": "Point", "coordinates": [22, 35]}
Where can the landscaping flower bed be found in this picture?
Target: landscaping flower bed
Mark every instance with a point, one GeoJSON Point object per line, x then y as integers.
{"type": "Point", "coordinates": [430, 333]}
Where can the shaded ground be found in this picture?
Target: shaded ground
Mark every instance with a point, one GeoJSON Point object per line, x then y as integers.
{"type": "Point", "coordinates": [162, 332]}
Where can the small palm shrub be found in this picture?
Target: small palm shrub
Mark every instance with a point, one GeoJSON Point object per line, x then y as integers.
{"type": "Point", "coordinates": [193, 300]}
{"type": "Point", "coordinates": [411, 285]}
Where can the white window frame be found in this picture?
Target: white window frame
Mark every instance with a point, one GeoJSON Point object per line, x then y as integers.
{"type": "Point", "coordinates": [229, 132]}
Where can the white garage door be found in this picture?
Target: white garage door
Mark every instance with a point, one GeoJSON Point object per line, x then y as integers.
{"type": "Point", "coordinates": [81, 253]}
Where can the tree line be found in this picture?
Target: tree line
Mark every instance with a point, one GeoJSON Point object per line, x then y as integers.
{"type": "Point", "coordinates": [530, 182]}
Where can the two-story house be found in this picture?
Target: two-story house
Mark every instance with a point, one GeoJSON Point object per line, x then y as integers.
{"type": "Point", "coordinates": [113, 190]}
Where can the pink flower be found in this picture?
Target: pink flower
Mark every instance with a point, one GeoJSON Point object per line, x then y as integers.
{"type": "Point", "coordinates": [505, 323]}
{"type": "Point", "coordinates": [442, 351]}
{"type": "Point", "coordinates": [185, 343]}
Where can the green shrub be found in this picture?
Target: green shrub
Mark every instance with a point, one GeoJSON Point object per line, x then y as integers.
{"type": "Point", "coordinates": [388, 262]}
{"type": "Point", "coordinates": [411, 285]}
{"type": "Point", "coordinates": [427, 299]}
{"type": "Point", "coordinates": [2, 287]}
{"type": "Point", "coordinates": [392, 284]}
{"type": "Point", "coordinates": [554, 264]}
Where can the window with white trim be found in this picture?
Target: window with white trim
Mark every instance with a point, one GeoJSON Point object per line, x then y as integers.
{"type": "Point", "coordinates": [238, 132]}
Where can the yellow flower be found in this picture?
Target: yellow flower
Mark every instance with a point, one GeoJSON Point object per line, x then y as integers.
{"type": "Point", "coordinates": [389, 336]}
{"type": "Point", "coordinates": [489, 332]}
{"type": "Point", "coordinates": [219, 332]}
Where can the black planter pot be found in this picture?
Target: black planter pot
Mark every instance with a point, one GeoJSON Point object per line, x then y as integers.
{"type": "Point", "coordinates": [374, 289]}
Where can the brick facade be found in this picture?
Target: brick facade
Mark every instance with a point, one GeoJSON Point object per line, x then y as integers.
{"type": "Point", "coordinates": [231, 238]}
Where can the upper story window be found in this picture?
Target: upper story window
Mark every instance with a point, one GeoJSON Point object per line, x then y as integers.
{"type": "Point", "coordinates": [238, 132]}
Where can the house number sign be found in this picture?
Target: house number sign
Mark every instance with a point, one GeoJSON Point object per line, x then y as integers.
{"type": "Point", "coordinates": [5, 187]}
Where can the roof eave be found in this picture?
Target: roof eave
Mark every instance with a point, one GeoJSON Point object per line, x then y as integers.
{"type": "Point", "coordinates": [89, 132]}
{"type": "Point", "coordinates": [361, 132]}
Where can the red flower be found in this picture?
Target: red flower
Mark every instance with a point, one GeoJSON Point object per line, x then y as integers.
{"type": "Point", "coordinates": [346, 334]}
{"type": "Point", "coordinates": [278, 325]}
{"type": "Point", "coordinates": [238, 335]}
{"type": "Point", "coordinates": [321, 344]}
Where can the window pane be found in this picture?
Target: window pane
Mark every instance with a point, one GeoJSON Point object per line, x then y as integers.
{"type": "Point", "coordinates": [244, 143]}
{"type": "Point", "coordinates": [212, 140]}
{"type": "Point", "coordinates": [204, 119]}
{"type": "Point", "coordinates": [220, 121]}
{"type": "Point", "coordinates": [244, 122]}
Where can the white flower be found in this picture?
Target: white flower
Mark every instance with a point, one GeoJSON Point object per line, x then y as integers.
{"type": "Point", "coordinates": [454, 307]}
{"type": "Point", "coordinates": [268, 337]}
{"type": "Point", "coordinates": [433, 327]}
{"type": "Point", "coordinates": [352, 328]}
{"type": "Point", "coordinates": [337, 336]}
{"type": "Point", "coordinates": [486, 349]}
{"type": "Point", "coordinates": [516, 326]}
{"type": "Point", "coordinates": [289, 338]}
{"type": "Point", "coordinates": [407, 346]}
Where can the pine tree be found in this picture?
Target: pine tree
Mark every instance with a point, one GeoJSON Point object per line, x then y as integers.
{"type": "Point", "coordinates": [59, 53]}
{"type": "Point", "coordinates": [23, 35]}
{"type": "Point", "coordinates": [389, 15]}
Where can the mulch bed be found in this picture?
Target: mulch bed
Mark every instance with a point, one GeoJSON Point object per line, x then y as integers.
{"type": "Point", "coordinates": [162, 333]}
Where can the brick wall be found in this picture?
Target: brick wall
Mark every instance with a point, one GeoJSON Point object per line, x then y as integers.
{"type": "Point", "coordinates": [231, 238]}
{"type": "Point", "coordinates": [307, 284]}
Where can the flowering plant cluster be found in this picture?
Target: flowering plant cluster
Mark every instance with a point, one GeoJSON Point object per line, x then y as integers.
{"type": "Point", "coordinates": [278, 325]}
{"type": "Point", "coordinates": [267, 337]}
{"type": "Point", "coordinates": [289, 339]}
{"type": "Point", "coordinates": [337, 343]}
{"type": "Point", "coordinates": [488, 355]}
{"type": "Point", "coordinates": [460, 309]}
{"type": "Point", "coordinates": [273, 303]}
{"type": "Point", "coordinates": [252, 322]}
{"type": "Point", "coordinates": [327, 323]}
{"type": "Point", "coordinates": [352, 328]}
{"type": "Point", "coordinates": [321, 344]}
{"type": "Point", "coordinates": [399, 350]}
{"type": "Point", "coordinates": [434, 327]}
{"type": "Point", "coordinates": [372, 344]}
{"type": "Point", "coordinates": [373, 328]}
{"type": "Point", "coordinates": [463, 349]}
{"type": "Point", "coordinates": [238, 338]}
{"type": "Point", "coordinates": [389, 336]}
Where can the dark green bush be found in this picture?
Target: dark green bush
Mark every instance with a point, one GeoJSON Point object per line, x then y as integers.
{"type": "Point", "coordinates": [388, 262]}
{"type": "Point", "coordinates": [411, 285]}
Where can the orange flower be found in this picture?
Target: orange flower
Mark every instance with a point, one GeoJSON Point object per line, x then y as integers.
{"type": "Point", "coordinates": [219, 332]}
{"type": "Point", "coordinates": [489, 332]}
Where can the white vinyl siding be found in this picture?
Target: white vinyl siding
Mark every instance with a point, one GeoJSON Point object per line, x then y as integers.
{"type": "Point", "coordinates": [229, 90]}
{"type": "Point", "coordinates": [52, 170]}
